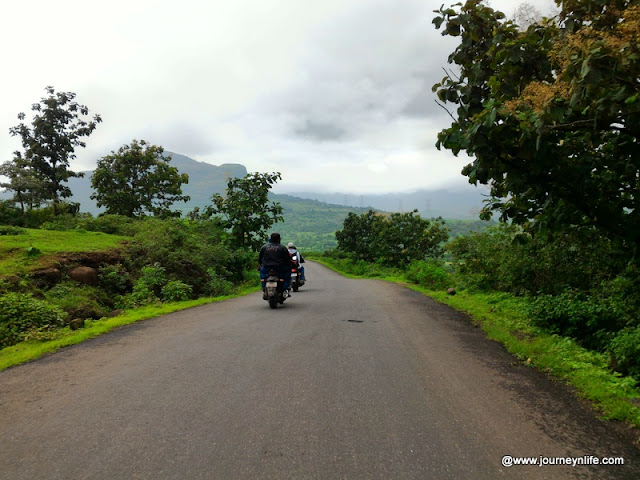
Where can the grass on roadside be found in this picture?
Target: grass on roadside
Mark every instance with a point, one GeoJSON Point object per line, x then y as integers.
{"type": "Point", "coordinates": [503, 318]}
{"type": "Point", "coordinates": [33, 349]}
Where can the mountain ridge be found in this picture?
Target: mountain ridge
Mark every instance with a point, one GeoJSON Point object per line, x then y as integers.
{"type": "Point", "coordinates": [206, 179]}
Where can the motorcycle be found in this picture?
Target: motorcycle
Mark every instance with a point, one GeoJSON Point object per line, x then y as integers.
{"type": "Point", "coordinates": [274, 291]}
{"type": "Point", "coordinates": [296, 279]}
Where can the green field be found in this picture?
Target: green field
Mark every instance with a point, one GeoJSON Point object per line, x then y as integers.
{"type": "Point", "coordinates": [19, 253]}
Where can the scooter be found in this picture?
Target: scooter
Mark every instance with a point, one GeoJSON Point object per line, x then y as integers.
{"type": "Point", "coordinates": [296, 280]}
{"type": "Point", "coordinates": [274, 291]}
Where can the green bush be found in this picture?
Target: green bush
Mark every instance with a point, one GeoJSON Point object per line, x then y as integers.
{"type": "Point", "coordinates": [625, 350]}
{"type": "Point", "coordinates": [79, 301]}
{"type": "Point", "coordinates": [141, 295]}
{"type": "Point", "coordinates": [115, 279]}
{"type": "Point", "coordinates": [112, 224]}
{"type": "Point", "coordinates": [187, 250]}
{"type": "Point", "coordinates": [588, 319]}
{"type": "Point", "coordinates": [8, 230]}
{"type": "Point", "coordinates": [428, 274]}
{"type": "Point", "coordinates": [21, 313]}
{"type": "Point", "coordinates": [218, 286]}
{"type": "Point", "coordinates": [153, 278]}
{"type": "Point", "coordinates": [10, 215]}
{"type": "Point", "coordinates": [61, 223]}
{"type": "Point", "coordinates": [175, 291]}
{"type": "Point", "coordinates": [507, 259]}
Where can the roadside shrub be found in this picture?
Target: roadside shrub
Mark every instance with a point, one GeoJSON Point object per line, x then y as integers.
{"type": "Point", "coordinates": [175, 291]}
{"type": "Point", "coordinates": [79, 301]}
{"type": "Point", "coordinates": [21, 313]}
{"type": "Point", "coordinates": [141, 295]}
{"type": "Point", "coordinates": [8, 230]}
{"type": "Point", "coordinates": [10, 215]}
{"type": "Point", "coordinates": [112, 224]}
{"type": "Point", "coordinates": [625, 350]}
{"type": "Point", "coordinates": [507, 259]}
{"type": "Point", "coordinates": [61, 223]}
{"type": "Point", "coordinates": [153, 278]}
{"type": "Point", "coordinates": [114, 279]}
{"type": "Point", "coordinates": [217, 285]}
{"type": "Point", "coordinates": [588, 319]}
{"type": "Point", "coordinates": [187, 250]}
{"type": "Point", "coordinates": [428, 274]}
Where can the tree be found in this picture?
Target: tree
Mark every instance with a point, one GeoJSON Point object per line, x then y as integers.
{"type": "Point", "coordinates": [362, 235]}
{"type": "Point", "coordinates": [28, 189]}
{"type": "Point", "coordinates": [550, 114]}
{"type": "Point", "coordinates": [138, 180]}
{"type": "Point", "coordinates": [245, 208]}
{"type": "Point", "coordinates": [397, 239]}
{"type": "Point", "coordinates": [49, 143]}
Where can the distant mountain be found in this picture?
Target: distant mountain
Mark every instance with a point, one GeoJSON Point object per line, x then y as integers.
{"type": "Point", "coordinates": [462, 204]}
{"type": "Point", "coordinates": [205, 179]}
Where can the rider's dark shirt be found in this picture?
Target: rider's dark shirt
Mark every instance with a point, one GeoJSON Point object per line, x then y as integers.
{"type": "Point", "coordinates": [272, 254]}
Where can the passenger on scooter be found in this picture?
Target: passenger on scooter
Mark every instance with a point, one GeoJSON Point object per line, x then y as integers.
{"type": "Point", "coordinates": [274, 255]}
{"type": "Point", "coordinates": [294, 251]}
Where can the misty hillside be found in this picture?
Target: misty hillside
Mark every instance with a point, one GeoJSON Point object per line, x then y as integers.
{"type": "Point", "coordinates": [205, 179]}
{"type": "Point", "coordinates": [311, 219]}
{"type": "Point", "coordinates": [463, 204]}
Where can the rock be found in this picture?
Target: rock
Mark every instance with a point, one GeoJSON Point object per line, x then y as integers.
{"type": "Point", "coordinates": [115, 312]}
{"type": "Point", "coordinates": [84, 275]}
{"type": "Point", "coordinates": [76, 323]}
{"type": "Point", "coordinates": [46, 277]}
{"type": "Point", "coordinates": [451, 291]}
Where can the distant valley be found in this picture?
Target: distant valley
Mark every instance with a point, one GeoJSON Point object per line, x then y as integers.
{"type": "Point", "coordinates": [311, 218]}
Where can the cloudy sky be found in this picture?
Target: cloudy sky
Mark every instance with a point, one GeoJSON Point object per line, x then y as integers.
{"type": "Point", "coordinates": [336, 95]}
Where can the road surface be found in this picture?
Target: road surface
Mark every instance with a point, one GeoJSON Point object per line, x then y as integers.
{"type": "Point", "coordinates": [350, 379]}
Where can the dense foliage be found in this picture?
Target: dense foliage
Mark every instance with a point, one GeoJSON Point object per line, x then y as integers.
{"type": "Point", "coordinates": [138, 180]}
{"type": "Point", "coordinates": [397, 239]}
{"type": "Point", "coordinates": [245, 208]}
{"type": "Point", "coordinates": [49, 143]}
{"type": "Point", "coordinates": [550, 113]}
{"type": "Point", "coordinates": [578, 284]}
{"type": "Point", "coordinates": [21, 314]}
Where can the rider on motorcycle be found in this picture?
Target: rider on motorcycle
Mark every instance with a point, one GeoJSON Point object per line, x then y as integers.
{"type": "Point", "coordinates": [294, 251]}
{"type": "Point", "coordinates": [274, 255]}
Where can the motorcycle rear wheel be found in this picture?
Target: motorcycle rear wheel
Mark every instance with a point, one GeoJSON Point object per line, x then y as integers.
{"type": "Point", "coordinates": [273, 301]}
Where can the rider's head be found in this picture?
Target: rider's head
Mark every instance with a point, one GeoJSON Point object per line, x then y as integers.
{"type": "Point", "coordinates": [275, 238]}
{"type": "Point", "coordinates": [291, 245]}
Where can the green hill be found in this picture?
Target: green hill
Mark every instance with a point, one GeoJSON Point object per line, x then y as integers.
{"type": "Point", "coordinates": [310, 224]}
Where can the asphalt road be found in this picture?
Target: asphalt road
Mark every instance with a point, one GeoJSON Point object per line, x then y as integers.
{"type": "Point", "coordinates": [350, 379]}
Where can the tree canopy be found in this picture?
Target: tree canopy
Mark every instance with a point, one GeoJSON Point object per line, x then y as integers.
{"type": "Point", "coordinates": [245, 209]}
{"type": "Point", "coordinates": [397, 239]}
{"type": "Point", "coordinates": [137, 181]}
{"type": "Point", "coordinates": [550, 114]}
{"type": "Point", "coordinates": [49, 143]}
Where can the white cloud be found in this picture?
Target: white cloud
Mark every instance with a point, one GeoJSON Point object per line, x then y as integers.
{"type": "Point", "coordinates": [335, 94]}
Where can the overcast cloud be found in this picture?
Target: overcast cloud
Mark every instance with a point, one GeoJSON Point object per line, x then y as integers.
{"type": "Point", "coordinates": [336, 94]}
